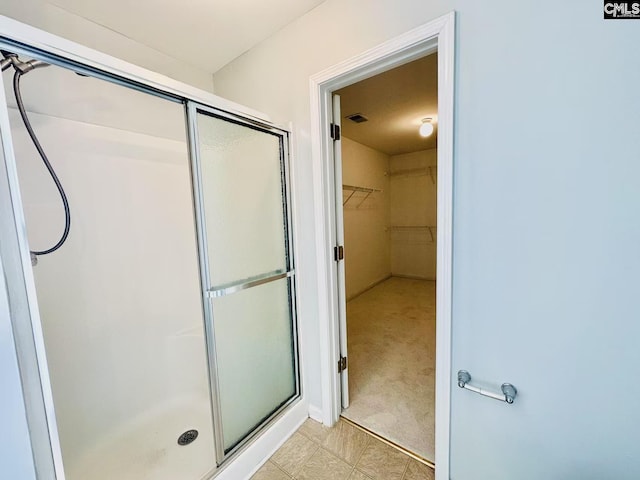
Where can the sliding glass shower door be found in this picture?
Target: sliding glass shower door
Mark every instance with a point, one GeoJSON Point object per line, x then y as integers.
{"type": "Point", "coordinates": [240, 179]}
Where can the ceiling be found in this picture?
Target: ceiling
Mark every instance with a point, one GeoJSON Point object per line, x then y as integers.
{"type": "Point", "coordinates": [395, 102]}
{"type": "Point", "coordinates": [205, 33]}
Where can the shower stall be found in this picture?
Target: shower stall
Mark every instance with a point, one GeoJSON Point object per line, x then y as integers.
{"type": "Point", "coordinates": [163, 323]}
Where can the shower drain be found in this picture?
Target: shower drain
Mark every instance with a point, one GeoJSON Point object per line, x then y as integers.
{"type": "Point", "coordinates": [187, 437]}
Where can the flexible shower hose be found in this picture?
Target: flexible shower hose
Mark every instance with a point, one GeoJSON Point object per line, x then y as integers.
{"type": "Point", "coordinates": [45, 160]}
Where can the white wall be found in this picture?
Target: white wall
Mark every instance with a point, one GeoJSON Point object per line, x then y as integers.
{"type": "Point", "coordinates": [413, 191]}
{"type": "Point", "coordinates": [367, 247]}
{"type": "Point", "coordinates": [546, 228]}
{"type": "Point", "coordinates": [53, 19]}
{"type": "Point", "coordinates": [120, 301]}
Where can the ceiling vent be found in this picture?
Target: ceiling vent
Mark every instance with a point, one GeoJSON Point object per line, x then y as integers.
{"type": "Point", "coordinates": [357, 118]}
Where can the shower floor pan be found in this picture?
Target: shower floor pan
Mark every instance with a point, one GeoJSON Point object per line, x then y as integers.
{"type": "Point", "coordinates": [148, 449]}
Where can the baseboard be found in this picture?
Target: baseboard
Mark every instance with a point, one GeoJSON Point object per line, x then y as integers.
{"type": "Point", "coordinates": [315, 413]}
{"type": "Point", "coordinates": [413, 277]}
{"type": "Point", "coordinates": [369, 287]}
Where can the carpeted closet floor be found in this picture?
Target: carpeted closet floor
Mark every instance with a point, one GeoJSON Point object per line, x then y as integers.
{"type": "Point", "coordinates": [391, 348]}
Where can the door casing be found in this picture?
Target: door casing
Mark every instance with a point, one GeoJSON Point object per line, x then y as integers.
{"type": "Point", "coordinates": [437, 35]}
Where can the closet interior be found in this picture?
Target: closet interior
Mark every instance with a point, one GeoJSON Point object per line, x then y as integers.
{"type": "Point", "coordinates": [389, 176]}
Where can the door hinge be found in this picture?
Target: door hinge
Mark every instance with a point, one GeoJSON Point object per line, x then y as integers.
{"type": "Point", "coordinates": [338, 253]}
{"type": "Point", "coordinates": [335, 131]}
{"type": "Point", "coordinates": [342, 364]}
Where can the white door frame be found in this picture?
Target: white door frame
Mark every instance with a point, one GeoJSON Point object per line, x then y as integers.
{"type": "Point", "coordinates": [437, 35]}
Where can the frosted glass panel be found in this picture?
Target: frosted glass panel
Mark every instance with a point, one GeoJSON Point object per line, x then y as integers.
{"type": "Point", "coordinates": [254, 343]}
{"type": "Point", "coordinates": [248, 276]}
{"type": "Point", "coordinates": [243, 203]}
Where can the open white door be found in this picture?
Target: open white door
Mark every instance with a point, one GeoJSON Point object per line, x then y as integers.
{"type": "Point", "coordinates": [343, 369]}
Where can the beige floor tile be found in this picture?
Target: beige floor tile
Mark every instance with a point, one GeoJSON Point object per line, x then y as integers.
{"type": "Point", "coordinates": [323, 465]}
{"type": "Point", "coordinates": [346, 441]}
{"type": "Point", "coordinates": [382, 462]}
{"type": "Point", "coordinates": [316, 431]}
{"type": "Point", "coordinates": [419, 471]}
{"type": "Point", "coordinates": [294, 453]}
{"type": "Point", "coordinates": [358, 475]}
{"type": "Point", "coordinates": [269, 471]}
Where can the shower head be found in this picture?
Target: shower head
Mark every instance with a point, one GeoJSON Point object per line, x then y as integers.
{"type": "Point", "coordinates": [11, 59]}
{"type": "Point", "coordinates": [24, 67]}
{"type": "Point", "coordinates": [5, 63]}
{"type": "Point", "coordinates": [8, 59]}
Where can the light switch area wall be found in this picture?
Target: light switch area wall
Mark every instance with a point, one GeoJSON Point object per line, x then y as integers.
{"type": "Point", "coordinates": [412, 219]}
{"type": "Point", "coordinates": [367, 246]}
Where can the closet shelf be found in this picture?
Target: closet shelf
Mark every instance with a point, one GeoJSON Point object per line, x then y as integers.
{"type": "Point", "coordinates": [353, 189]}
{"type": "Point", "coordinates": [431, 229]}
{"type": "Point", "coordinates": [432, 171]}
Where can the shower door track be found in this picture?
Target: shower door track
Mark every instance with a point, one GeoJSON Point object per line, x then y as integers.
{"type": "Point", "coordinates": [26, 40]}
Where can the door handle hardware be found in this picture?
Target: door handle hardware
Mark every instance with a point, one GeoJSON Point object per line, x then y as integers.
{"type": "Point", "coordinates": [509, 392]}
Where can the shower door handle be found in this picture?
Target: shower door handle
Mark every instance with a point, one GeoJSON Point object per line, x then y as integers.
{"type": "Point", "coordinates": [509, 392]}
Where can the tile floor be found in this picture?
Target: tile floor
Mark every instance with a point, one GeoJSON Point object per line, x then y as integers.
{"type": "Point", "coordinates": [343, 452]}
{"type": "Point", "coordinates": [391, 337]}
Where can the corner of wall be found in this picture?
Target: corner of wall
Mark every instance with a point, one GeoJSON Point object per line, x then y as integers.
{"type": "Point", "coordinates": [315, 413]}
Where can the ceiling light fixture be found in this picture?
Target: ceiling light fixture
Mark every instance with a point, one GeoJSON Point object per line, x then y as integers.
{"type": "Point", "coordinates": [426, 128]}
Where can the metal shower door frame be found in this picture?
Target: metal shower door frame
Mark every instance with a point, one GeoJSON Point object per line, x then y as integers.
{"type": "Point", "coordinates": [193, 109]}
